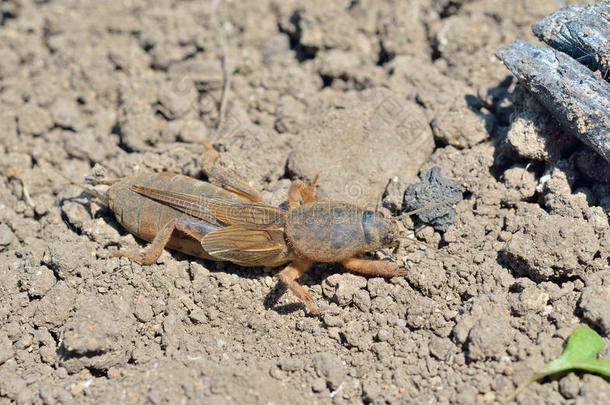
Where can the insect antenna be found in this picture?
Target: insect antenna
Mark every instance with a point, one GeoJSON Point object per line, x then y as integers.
{"type": "Point", "coordinates": [411, 237]}
{"type": "Point", "coordinates": [86, 186]}
{"type": "Point", "coordinates": [379, 201]}
{"type": "Point", "coordinates": [427, 207]}
{"type": "Point", "coordinates": [12, 172]}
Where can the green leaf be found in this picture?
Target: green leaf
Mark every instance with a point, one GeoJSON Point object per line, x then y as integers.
{"type": "Point", "coordinates": [583, 344]}
{"type": "Point", "coordinates": [580, 353]}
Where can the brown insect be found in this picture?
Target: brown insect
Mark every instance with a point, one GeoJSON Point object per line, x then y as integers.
{"type": "Point", "coordinates": [234, 223]}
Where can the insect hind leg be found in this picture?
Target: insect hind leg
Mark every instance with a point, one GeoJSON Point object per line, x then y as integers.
{"type": "Point", "coordinates": [151, 253]}
{"type": "Point", "coordinates": [101, 181]}
{"type": "Point", "coordinates": [299, 190]}
{"type": "Point", "coordinates": [228, 179]}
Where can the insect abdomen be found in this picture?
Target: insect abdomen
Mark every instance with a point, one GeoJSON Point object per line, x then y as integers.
{"type": "Point", "coordinates": [144, 217]}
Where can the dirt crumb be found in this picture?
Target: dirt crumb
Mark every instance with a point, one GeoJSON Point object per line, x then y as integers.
{"type": "Point", "coordinates": [329, 367]}
{"type": "Point", "coordinates": [373, 126]}
{"type": "Point", "coordinates": [594, 299]}
{"type": "Point", "coordinates": [54, 308]}
{"type": "Point", "coordinates": [552, 248]}
{"type": "Point", "coordinates": [534, 133]}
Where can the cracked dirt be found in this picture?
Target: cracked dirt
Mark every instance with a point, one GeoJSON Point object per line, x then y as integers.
{"type": "Point", "coordinates": [372, 93]}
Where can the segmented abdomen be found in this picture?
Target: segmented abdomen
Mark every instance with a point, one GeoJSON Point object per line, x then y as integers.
{"type": "Point", "coordinates": [144, 217]}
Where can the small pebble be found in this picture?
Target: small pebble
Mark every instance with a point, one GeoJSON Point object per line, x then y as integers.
{"type": "Point", "coordinates": [6, 235]}
{"type": "Point", "coordinates": [318, 385]}
{"type": "Point", "coordinates": [290, 364]}
{"type": "Point", "coordinates": [197, 316]}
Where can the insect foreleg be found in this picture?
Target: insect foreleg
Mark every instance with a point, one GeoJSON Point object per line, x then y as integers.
{"type": "Point", "coordinates": [289, 275]}
{"type": "Point", "coordinates": [381, 268]}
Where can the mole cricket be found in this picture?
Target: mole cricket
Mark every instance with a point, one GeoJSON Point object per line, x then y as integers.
{"type": "Point", "coordinates": [232, 222]}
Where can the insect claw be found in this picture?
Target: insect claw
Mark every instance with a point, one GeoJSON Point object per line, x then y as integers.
{"type": "Point", "coordinates": [400, 272]}
{"type": "Point", "coordinates": [122, 253]}
{"type": "Point", "coordinates": [139, 258]}
{"type": "Point", "coordinates": [315, 310]}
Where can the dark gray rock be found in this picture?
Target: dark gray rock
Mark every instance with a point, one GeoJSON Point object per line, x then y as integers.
{"type": "Point", "coordinates": [583, 32]}
{"type": "Point", "coordinates": [575, 95]}
{"type": "Point", "coordinates": [432, 190]}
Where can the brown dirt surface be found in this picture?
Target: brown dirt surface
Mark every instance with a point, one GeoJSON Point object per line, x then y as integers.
{"type": "Point", "coordinates": [371, 93]}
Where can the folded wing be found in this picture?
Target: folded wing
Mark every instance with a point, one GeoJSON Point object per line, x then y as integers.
{"type": "Point", "coordinates": [246, 247]}
{"type": "Point", "coordinates": [213, 210]}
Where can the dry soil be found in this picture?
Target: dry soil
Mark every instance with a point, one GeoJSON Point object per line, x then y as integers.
{"type": "Point", "coordinates": [372, 93]}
